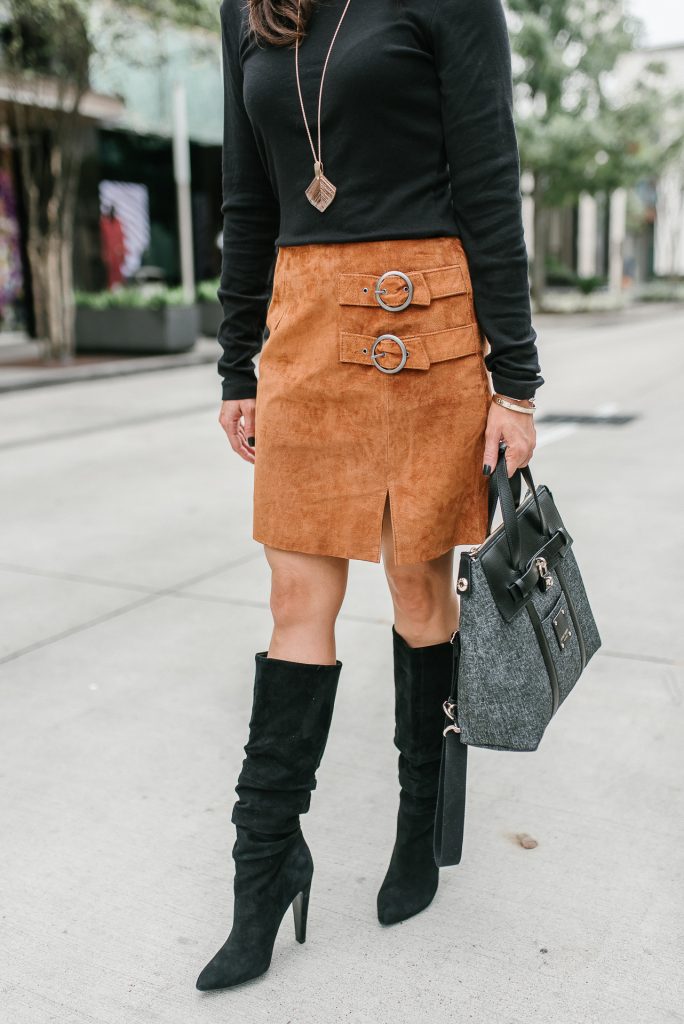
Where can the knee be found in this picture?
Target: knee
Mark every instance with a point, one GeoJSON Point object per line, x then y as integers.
{"type": "Point", "coordinates": [415, 593]}
{"type": "Point", "coordinates": [297, 598]}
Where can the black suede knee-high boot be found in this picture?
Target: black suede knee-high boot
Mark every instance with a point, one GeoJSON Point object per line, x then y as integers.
{"type": "Point", "coordinates": [291, 714]}
{"type": "Point", "coordinates": [422, 681]}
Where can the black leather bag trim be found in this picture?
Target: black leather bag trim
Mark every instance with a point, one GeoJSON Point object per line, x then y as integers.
{"type": "Point", "coordinates": [494, 554]}
{"type": "Point", "coordinates": [451, 801]}
{"type": "Point", "coordinates": [449, 825]}
{"type": "Point", "coordinates": [546, 655]}
{"type": "Point", "coordinates": [465, 564]}
{"type": "Point", "coordinates": [573, 615]}
{"type": "Point", "coordinates": [551, 552]}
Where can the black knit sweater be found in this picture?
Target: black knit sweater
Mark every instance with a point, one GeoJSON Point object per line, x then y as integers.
{"type": "Point", "coordinates": [417, 134]}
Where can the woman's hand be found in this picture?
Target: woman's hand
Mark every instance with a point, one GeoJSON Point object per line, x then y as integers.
{"type": "Point", "coordinates": [517, 430]}
{"type": "Point", "coordinates": [237, 419]}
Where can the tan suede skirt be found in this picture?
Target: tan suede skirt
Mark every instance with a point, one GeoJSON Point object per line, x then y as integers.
{"type": "Point", "coordinates": [337, 434]}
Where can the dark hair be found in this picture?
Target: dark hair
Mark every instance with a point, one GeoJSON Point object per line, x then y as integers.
{"type": "Point", "coordinates": [275, 21]}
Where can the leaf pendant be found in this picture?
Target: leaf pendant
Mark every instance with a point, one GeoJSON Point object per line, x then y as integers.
{"type": "Point", "coordinates": [321, 191]}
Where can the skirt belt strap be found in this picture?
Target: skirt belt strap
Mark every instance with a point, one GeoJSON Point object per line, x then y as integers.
{"type": "Point", "coordinates": [436, 283]}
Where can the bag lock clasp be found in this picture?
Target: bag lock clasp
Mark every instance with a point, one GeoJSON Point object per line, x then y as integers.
{"type": "Point", "coordinates": [448, 707]}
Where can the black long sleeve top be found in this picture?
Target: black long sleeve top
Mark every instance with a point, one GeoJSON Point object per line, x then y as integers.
{"type": "Point", "coordinates": [417, 134]}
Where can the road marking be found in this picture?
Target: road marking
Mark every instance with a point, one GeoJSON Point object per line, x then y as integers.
{"type": "Point", "coordinates": [549, 435]}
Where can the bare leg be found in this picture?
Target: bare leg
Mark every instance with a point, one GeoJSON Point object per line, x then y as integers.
{"type": "Point", "coordinates": [423, 594]}
{"type": "Point", "coordinates": [306, 595]}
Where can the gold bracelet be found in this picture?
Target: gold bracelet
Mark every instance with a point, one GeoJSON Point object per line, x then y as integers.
{"type": "Point", "coordinates": [513, 406]}
{"type": "Point", "coordinates": [516, 401]}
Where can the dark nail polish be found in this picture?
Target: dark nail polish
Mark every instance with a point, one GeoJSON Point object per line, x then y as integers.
{"type": "Point", "coordinates": [251, 441]}
{"type": "Point", "coordinates": [487, 470]}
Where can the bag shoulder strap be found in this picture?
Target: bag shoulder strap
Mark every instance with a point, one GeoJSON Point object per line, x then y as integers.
{"type": "Point", "coordinates": [451, 798]}
{"type": "Point", "coordinates": [451, 793]}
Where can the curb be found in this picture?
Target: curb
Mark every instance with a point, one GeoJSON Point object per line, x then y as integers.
{"type": "Point", "coordinates": [30, 379]}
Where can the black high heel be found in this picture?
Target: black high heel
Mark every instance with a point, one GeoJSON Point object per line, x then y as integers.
{"type": "Point", "coordinates": [264, 890]}
{"type": "Point", "coordinates": [291, 715]}
{"type": "Point", "coordinates": [300, 909]}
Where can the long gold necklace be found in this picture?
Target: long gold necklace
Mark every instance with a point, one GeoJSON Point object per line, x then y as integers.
{"type": "Point", "coordinates": [321, 191]}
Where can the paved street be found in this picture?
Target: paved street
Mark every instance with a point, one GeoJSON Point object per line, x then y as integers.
{"type": "Point", "coordinates": [133, 600]}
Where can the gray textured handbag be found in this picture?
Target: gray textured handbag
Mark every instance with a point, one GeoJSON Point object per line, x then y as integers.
{"type": "Point", "coordinates": [525, 635]}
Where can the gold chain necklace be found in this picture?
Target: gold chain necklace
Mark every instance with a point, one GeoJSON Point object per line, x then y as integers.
{"type": "Point", "coordinates": [321, 191]}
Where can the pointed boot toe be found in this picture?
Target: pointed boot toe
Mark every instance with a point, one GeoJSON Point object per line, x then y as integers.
{"type": "Point", "coordinates": [228, 968]}
{"type": "Point", "coordinates": [212, 976]}
{"type": "Point", "coordinates": [411, 881]}
{"type": "Point", "coordinates": [398, 901]}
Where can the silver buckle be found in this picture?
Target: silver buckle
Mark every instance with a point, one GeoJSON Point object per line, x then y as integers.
{"type": "Point", "coordinates": [378, 290]}
{"type": "Point", "coordinates": [402, 346]}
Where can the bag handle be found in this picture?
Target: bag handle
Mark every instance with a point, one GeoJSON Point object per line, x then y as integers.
{"type": "Point", "coordinates": [507, 491]}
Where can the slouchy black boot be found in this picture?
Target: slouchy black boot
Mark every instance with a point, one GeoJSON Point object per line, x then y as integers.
{"type": "Point", "coordinates": [291, 714]}
{"type": "Point", "coordinates": [422, 681]}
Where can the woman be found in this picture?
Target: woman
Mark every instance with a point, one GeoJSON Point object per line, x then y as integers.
{"type": "Point", "coordinates": [372, 222]}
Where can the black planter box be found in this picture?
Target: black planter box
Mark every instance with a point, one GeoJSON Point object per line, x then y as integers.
{"type": "Point", "coordinates": [140, 331]}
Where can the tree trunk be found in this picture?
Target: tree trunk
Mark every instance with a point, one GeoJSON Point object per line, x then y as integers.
{"type": "Point", "coordinates": [50, 144]}
{"type": "Point", "coordinates": [34, 251]}
{"type": "Point", "coordinates": [53, 297]}
{"type": "Point", "coordinates": [540, 240]}
{"type": "Point", "coordinates": [51, 156]}
{"type": "Point", "coordinates": [66, 254]}
{"type": "Point", "coordinates": [72, 173]}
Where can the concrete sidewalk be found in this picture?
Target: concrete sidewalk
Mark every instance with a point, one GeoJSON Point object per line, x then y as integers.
{"type": "Point", "coordinates": [133, 601]}
{"type": "Point", "coordinates": [21, 369]}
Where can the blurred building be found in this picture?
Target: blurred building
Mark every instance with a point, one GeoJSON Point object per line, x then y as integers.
{"type": "Point", "coordinates": [140, 62]}
{"type": "Point", "coordinates": [127, 173]}
{"type": "Point", "coordinates": [126, 221]}
{"type": "Point", "coordinates": [664, 203]}
{"type": "Point", "coordinates": [38, 95]}
{"type": "Point", "coordinates": [629, 236]}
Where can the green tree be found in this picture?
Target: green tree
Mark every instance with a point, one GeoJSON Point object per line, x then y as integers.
{"type": "Point", "coordinates": [46, 50]}
{"type": "Point", "coordinates": [576, 132]}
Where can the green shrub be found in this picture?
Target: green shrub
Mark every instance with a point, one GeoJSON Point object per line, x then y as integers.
{"type": "Point", "coordinates": [587, 285]}
{"type": "Point", "coordinates": [152, 297]}
{"type": "Point", "coordinates": [206, 290]}
{"type": "Point", "coordinates": [559, 275]}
